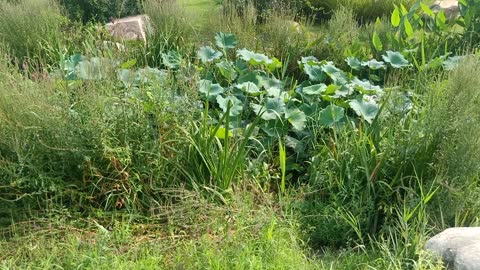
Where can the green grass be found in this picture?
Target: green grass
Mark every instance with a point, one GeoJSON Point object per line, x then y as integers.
{"type": "Point", "coordinates": [127, 164]}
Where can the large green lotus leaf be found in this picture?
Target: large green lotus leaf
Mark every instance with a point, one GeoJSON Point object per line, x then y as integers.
{"type": "Point", "coordinates": [315, 73]}
{"type": "Point", "coordinates": [374, 64]}
{"type": "Point", "coordinates": [210, 89]}
{"type": "Point", "coordinates": [309, 60]}
{"type": "Point", "coordinates": [343, 91]}
{"type": "Point", "coordinates": [268, 82]}
{"type": "Point", "coordinates": [127, 77]}
{"type": "Point", "coordinates": [338, 76]}
{"type": "Point", "coordinates": [315, 89]}
{"type": "Point", "coordinates": [227, 70]}
{"type": "Point", "coordinates": [253, 58]}
{"type": "Point", "coordinates": [171, 59]}
{"type": "Point", "coordinates": [396, 59]}
{"type": "Point", "coordinates": [368, 110]}
{"type": "Point", "coordinates": [253, 76]}
{"type": "Point", "coordinates": [275, 63]}
{"type": "Point", "coordinates": [354, 63]}
{"type": "Point", "coordinates": [273, 109]}
{"type": "Point", "coordinates": [274, 92]}
{"type": "Point", "coordinates": [331, 115]}
{"type": "Point", "coordinates": [208, 54]}
{"type": "Point", "coordinates": [248, 87]}
{"type": "Point", "coordinates": [366, 87]}
{"type": "Point", "coordinates": [236, 105]}
{"type": "Point", "coordinates": [297, 118]}
{"type": "Point", "coordinates": [225, 40]}
{"type": "Point", "coordinates": [273, 129]}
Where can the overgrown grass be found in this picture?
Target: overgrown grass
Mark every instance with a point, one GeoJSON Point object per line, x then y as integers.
{"type": "Point", "coordinates": [118, 169]}
{"type": "Point", "coordinates": [32, 30]}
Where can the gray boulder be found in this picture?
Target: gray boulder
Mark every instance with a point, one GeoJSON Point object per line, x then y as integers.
{"type": "Point", "coordinates": [450, 7]}
{"type": "Point", "coordinates": [130, 28]}
{"type": "Point", "coordinates": [458, 247]}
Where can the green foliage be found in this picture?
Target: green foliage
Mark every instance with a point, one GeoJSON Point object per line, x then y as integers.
{"type": "Point", "coordinates": [100, 10]}
{"type": "Point", "coordinates": [31, 29]}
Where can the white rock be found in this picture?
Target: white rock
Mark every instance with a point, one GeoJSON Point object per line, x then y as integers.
{"type": "Point", "coordinates": [130, 28]}
{"type": "Point", "coordinates": [450, 7]}
{"type": "Point", "coordinates": [458, 247]}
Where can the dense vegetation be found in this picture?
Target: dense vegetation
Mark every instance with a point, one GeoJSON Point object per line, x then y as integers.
{"type": "Point", "coordinates": [236, 138]}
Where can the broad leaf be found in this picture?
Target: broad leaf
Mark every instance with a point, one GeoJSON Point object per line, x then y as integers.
{"type": "Point", "coordinates": [366, 87]}
{"type": "Point", "coordinates": [368, 110]}
{"type": "Point", "coordinates": [210, 89]}
{"type": "Point", "coordinates": [208, 54]}
{"type": "Point", "coordinates": [316, 89]}
{"type": "Point", "coordinates": [377, 43]}
{"type": "Point", "coordinates": [338, 76]}
{"type": "Point", "coordinates": [315, 73]}
{"type": "Point", "coordinates": [297, 118]}
{"type": "Point", "coordinates": [374, 64]}
{"type": "Point", "coordinates": [171, 59]}
{"type": "Point", "coordinates": [236, 106]}
{"type": "Point", "coordinates": [396, 59]}
{"type": "Point", "coordinates": [395, 18]}
{"type": "Point", "coordinates": [354, 63]}
{"type": "Point", "coordinates": [248, 87]}
{"type": "Point", "coordinates": [227, 70]}
{"type": "Point", "coordinates": [331, 115]}
{"type": "Point", "coordinates": [225, 41]}
{"type": "Point", "coordinates": [273, 109]}
{"type": "Point", "coordinates": [408, 27]}
{"type": "Point", "coordinates": [253, 58]}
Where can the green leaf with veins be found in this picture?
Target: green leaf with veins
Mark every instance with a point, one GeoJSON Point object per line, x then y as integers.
{"type": "Point", "coordinates": [315, 89]}
{"type": "Point", "coordinates": [338, 76]}
{"type": "Point", "coordinates": [396, 59]}
{"type": "Point", "coordinates": [363, 108]}
{"type": "Point", "coordinates": [208, 54]}
{"type": "Point", "coordinates": [248, 87]}
{"type": "Point", "coordinates": [253, 58]}
{"type": "Point", "coordinates": [273, 109]}
{"type": "Point", "coordinates": [297, 118]}
{"type": "Point", "coordinates": [331, 115]}
{"type": "Point", "coordinates": [374, 64]}
{"type": "Point", "coordinates": [236, 105]}
{"type": "Point", "coordinates": [354, 63]}
{"type": "Point", "coordinates": [210, 89]}
{"type": "Point", "coordinates": [225, 41]}
{"type": "Point", "coordinates": [315, 73]}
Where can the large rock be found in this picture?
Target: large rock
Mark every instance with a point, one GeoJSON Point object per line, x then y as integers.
{"type": "Point", "coordinates": [458, 247]}
{"type": "Point", "coordinates": [450, 7]}
{"type": "Point", "coordinates": [130, 28]}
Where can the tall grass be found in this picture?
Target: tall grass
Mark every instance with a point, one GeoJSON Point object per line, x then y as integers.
{"type": "Point", "coordinates": [28, 26]}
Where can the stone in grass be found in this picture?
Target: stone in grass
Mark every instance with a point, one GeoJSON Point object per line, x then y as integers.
{"type": "Point", "coordinates": [130, 28]}
{"type": "Point", "coordinates": [458, 247]}
{"type": "Point", "coordinates": [450, 7]}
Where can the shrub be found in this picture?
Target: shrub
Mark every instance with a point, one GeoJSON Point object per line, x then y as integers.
{"type": "Point", "coordinates": [100, 10]}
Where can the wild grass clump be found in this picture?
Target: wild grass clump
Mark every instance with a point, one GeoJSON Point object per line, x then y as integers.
{"type": "Point", "coordinates": [86, 144]}
{"type": "Point", "coordinates": [365, 10]}
{"type": "Point", "coordinates": [29, 27]}
{"type": "Point", "coordinates": [450, 121]}
{"type": "Point", "coordinates": [174, 29]}
{"type": "Point", "coordinates": [191, 233]}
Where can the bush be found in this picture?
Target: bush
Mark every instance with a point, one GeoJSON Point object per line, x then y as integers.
{"type": "Point", "coordinates": [100, 10]}
{"type": "Point", "coordinates": [365, 10]}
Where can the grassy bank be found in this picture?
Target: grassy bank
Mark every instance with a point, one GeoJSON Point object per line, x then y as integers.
{"type": "Point", "coordinates": [236, 139]}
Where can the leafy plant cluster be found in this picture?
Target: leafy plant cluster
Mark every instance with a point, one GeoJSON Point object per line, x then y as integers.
{"type": "Point", "coordinates": [251, 85]}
